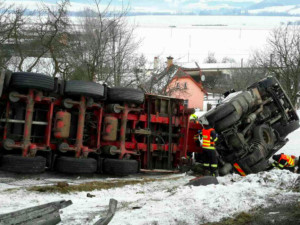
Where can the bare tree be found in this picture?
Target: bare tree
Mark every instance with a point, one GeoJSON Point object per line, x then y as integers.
{"type": "Point", "coordinates": [244, 77]}
{"type": "Point", "coordinates": [281, 58]}
{"type": "Point", "coordinates": [156, 77]}
{"type": "Point", "coordinates": [103, 47]}
{"type": "Point", "coordinates": [34, 43]}
{"type": "Point", "coordinates": [227, 59]}
{"type": "Point", "coordinates": [210, 58]}
{"type": "Point", "coordinates": [5, 32]}
{"type": "Point", "coordinates": [53, 34]}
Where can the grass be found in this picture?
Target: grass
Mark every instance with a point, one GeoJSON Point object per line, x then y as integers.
{"type": "Point", "coordinates": [241, 219]}
{"type": "Point", "coordinates": [63, 187]}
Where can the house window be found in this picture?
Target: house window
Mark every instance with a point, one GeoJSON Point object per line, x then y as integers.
{"type": "Point", "coordinates": [186, 102]}
{"type": "Point", "coordinates": [177, 85]}
{"type": "Point", "coordinates": [185, 85]}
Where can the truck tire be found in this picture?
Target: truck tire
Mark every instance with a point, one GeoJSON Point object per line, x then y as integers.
{"type": "Point", "coordinates": [121, 94]}
{"type": "Point", "coordinates": [32, 80]}
{"type": "Point", "coordinates": [100, 165]}
{"type": "Point", "coordinates": [265, 135]}
{"type": "Point", "coordinates": [203, 181]}
{"type": "Point", "coordinates": [24, 165]}
{"type": "Point", "coordinates": [120, 167]}
{"type": "Point", "coordinates": [285, 130]}
{"type": "Point", "coordinates": [227, 122]}
{"type": "Point", "coordinates": [265, 83]}
{"type": "Point", "coordinates": [73, 165]}
{"type": "Point", "coordinates": [219, 113]}
{"type": "Point", "coordinates": [86, 88]}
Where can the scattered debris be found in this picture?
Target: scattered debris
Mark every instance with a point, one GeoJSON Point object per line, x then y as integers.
{"type": "Point", "coordinates": [110, 213]}
{"type": "Point", "coordinates": [90, 195]}
{"type": "Point", "coordinates": [47, 214]}
{"type": "Point", "coordinates": [203, 181]}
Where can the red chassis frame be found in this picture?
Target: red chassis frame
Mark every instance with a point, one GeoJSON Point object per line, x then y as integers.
{"type": "Point", "coordinates": [159, 125]}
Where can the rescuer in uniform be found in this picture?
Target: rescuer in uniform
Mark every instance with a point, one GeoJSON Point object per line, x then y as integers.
{"type": "Point", "coordinates": [287, 162]}
{"type": "Point", "coordinates": [209, 138]}
{"type": "Point", "coordinates": [194, 118]}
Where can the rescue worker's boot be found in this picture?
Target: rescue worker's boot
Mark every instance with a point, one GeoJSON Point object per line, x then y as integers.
{"type": "Point", "coordinates": [214, 171]}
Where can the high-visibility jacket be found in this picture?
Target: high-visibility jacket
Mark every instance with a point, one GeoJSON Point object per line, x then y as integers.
{"type": "Point", "coordinates": [208, 140]}
{"type": "Point", "coordinates": [286, 161]}
{"type": "Point", "coordinates": [193, 117]}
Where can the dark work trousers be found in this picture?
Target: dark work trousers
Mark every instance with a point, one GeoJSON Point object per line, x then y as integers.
{"type": "Point", "coordinates": [210, 159]}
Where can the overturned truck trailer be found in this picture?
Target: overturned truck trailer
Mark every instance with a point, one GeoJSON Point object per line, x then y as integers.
{"type": "Point", "coordinates": [85, 127]}
{"type": "Point", "coordinates": [253, 125]}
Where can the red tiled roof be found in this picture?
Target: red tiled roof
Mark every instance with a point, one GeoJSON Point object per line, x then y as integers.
{"type": "Point", "coordinates": [184, 74]}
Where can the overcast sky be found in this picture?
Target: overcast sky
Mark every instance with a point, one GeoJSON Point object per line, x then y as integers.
{"type": "Point", "coordinates": [142, 5]}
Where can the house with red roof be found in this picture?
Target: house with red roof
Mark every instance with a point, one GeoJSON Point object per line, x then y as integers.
{"type": "Point", "coordinates": [184, 85]}
{"type": "Point", "coordinates": [200, 89]}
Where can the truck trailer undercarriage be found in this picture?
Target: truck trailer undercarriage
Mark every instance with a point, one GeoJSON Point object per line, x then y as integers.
{"type": "Point", "coordinates": [85, 127]}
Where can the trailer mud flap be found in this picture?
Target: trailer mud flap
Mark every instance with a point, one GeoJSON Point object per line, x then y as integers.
{"type": "Point", "coordinates": [239, 169]}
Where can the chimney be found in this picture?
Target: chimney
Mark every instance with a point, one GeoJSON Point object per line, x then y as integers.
{"type": "Point", "coordinates": [169, 61]}
{"type": "Point", "coordinates": [155, 63]}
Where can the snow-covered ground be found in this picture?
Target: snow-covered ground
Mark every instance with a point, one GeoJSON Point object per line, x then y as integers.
{"type": "Point", "coordinates": [166, 201]}
{"type": "Point", "coordinates": [191, 38]}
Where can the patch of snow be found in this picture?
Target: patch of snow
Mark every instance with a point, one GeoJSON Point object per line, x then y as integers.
{"type": "Point", "coordinates": [164, 201]}
{"type": "Point", "coordinates": [293, 145]}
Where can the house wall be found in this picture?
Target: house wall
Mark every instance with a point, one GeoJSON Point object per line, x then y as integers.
{"type": "Point", "coordinates": [192, 93]}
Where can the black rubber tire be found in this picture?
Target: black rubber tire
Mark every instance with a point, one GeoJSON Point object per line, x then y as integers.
{"type": "Point", "coordinates": [7, 79]}
{"type": "Point", "coordinates": [24, 165]}
{"type": "Point", "coordinates": [120, 167]}
{"type": "Point", "coordinates": [265, 135]}
{"type": "Point", "coordinates": [265, 83]}
{"type": "Point", "coordinates": [121, 94]}
{"type": "Point", "coordinates": [73, 165]}
{"type": "Point", "coordinates": [32, 80]}
{"type": "Point", "coordinates": [219, 113]}
{"type": "Point", "coordinates": [286, 130]}
{"type": "Point", "coordinates": [227, 122]}
{"type": "Point", "coordinates": [260, 166]}
{"type": "Point", "coordinates": [100, 162]}
{"type": "Point", "coordinates": [86, 88]}
{"type": "Point", "coordinates": [203, 181]}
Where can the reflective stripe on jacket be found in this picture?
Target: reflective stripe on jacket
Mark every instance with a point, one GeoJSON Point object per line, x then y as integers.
{"type": "Point", "coordinates": [286, 161]}
{"type": "Point", "coordinates": [208, 143]}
